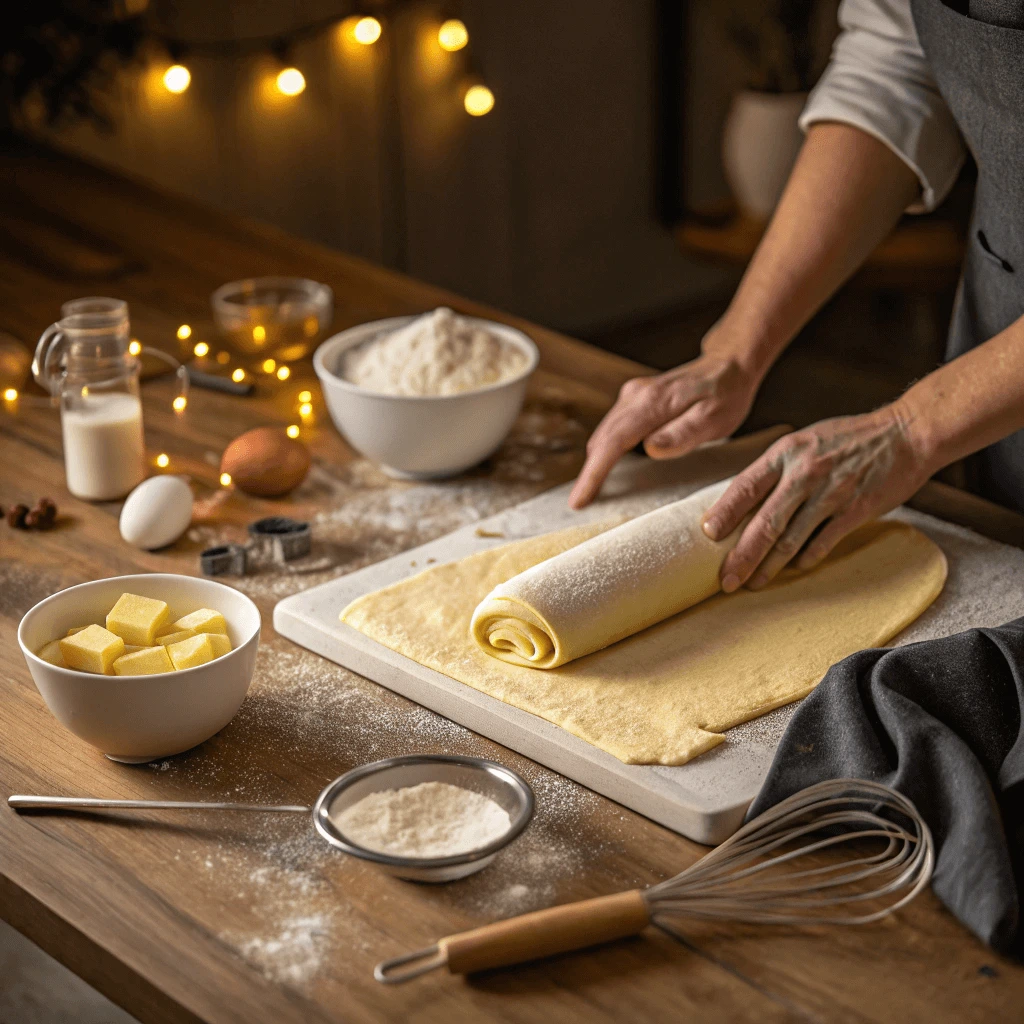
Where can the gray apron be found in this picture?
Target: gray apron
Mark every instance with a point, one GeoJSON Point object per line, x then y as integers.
{"type": "Point", "coordinates": [977, 58]}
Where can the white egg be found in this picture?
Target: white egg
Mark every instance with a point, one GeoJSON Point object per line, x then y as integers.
{"type": "Point", "coordinates": [157, 512]}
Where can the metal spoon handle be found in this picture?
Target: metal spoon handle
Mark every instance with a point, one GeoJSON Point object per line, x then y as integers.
{"type": "Point", "coordinates": [23, 803]}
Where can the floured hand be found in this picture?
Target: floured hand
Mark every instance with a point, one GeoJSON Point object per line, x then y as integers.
{"type": "Point", "coordinates": [672, 414]}
{"type": "Point", "coordinates": [833, 475]}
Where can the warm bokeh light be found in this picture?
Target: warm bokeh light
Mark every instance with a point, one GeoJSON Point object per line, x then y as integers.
{"type": "Point", "coordinates": [163, 461]}
{"type": "Point", "coordinates": [291, 82]}
{"type": "Point", "coordinates": [305, 396]}
{"type": "Point", "coordinates": [269, 365]}
{"type": "Point", "coordinates": [177, 78]}
{"type": "Point", "coordinates": [238, 376]}
{"type": "Point", "coordinates": [223, 358]}
{"type": "Point", "coordinates": [134, 347]}
{"type": "Point", "coordinates": [305, 409]}
{"type": "Point", "coordinates": [452, 35]}
{"type": "Point", "coordinates": [283, 373]}
{"type": "Point", "coordinates": [479, 100]}
{"type": "Point", "coordinates": [225, 479]}
{"type": "Point", "coordinates": [293, 430]}
{"type": "Point", "coordinates": [366, 31]}
{"type": "Point", "coordinates": [259, 334]}
{"type": "Point", "coordinates": [201, 349]}
{"type": "Point", "coordinates": [310, 326]}
{"type": "Point", "coordinates": [179, 403]}
{"type": "Point", "coordinates": [10, 394]}
{"type": "Point", "coordinates": [184, 332]}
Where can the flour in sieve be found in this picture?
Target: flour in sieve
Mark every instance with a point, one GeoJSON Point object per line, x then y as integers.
{"type": "Point", "coordinates": [432, 819]}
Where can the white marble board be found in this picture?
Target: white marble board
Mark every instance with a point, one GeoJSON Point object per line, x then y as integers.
{"type": "Point", "coordinates": [704, 800]}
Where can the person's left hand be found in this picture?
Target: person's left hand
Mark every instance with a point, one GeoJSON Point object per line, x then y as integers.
{"type": "Point", "coordinates": [835, 475]}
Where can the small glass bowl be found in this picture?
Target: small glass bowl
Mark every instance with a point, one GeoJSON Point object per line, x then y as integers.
{"type": "Point", "coordinates": [502, 785]}
{"type": "Point", "coordinates": [282, 316]}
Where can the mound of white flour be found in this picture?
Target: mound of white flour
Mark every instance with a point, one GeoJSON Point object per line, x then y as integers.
{"type": "Point", "coordinates": [433, 819]}
{"type": "Point", "coordinates": [439, 353]}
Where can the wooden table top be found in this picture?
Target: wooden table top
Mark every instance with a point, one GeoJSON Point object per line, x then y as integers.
{"type": "Point", "coordinates": [229, 920]}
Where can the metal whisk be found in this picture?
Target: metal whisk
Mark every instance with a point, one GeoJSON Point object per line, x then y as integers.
{"type": "Point", "coordinates": [753, 877]}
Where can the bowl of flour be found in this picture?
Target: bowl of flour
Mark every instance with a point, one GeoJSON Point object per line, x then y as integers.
{"type": "Point", "coordinates": [425, 817]}
{"type": "Point", "coordinates": [426, 396]}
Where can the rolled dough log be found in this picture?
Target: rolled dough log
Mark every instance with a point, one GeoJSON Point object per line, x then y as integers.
{"type": "Point", "coordinates": [666, 694]}
{"type": "Point", "coordinates": [607, 588]}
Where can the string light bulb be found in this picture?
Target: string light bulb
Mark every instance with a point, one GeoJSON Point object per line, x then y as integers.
{"type": "Point", "coordinates": [177, 79]}
{"type": "Point", "coordinates": [305, 409]}
{"type": "Point", "coordinates": [10, 394]}
{"type": "Point", "coordinates": [366, 31]}
{"type": "Point", "coordinates": [134, 347]}
{"type": "Point", "coordinates": [290, 82]}
{"type": "Point", "coordinates": [479, 100]}
{"type": "Point", "coordinates": [178, 405]}
{"type": "Point", "coordinates": [184, 332]}
{"type": "Point", "coordinates": [201, 349]}
{"type": "Point", "coordinates": [162, 461]}
{"type": "Point", "coordinates": [238, 375]}
{"type": "Point", "coordinates": [283, 373]}
{"type": "Point", "coordinates": [452, 35]}
{"type": "Point", "coordinates": [259, 334]}
{"type": "Point", "coordinates": [269, 365]}
{"type": "Point", "coordinates": [292, 430]}
{"type": "Point", "coordinates": [305, 396]}
{"type": "Point", "coordinates": [225, 479]}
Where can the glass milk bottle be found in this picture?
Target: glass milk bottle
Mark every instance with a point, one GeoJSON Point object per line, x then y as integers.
{"type": "Point", "coordinates": [84, 359]}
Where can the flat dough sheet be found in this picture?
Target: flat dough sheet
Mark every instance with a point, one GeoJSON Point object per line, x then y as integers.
{"type": "Point", "coordinates": [665, 695]}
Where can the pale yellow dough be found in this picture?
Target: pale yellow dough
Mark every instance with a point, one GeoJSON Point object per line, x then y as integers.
{"type": "Point", "coordinates": [665, 695]}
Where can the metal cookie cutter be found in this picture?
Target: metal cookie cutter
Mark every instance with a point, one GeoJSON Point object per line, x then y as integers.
{"type": "Point", "coordinates": [225, 560]}
{"type": "Point", "coordinates": [286, 539]}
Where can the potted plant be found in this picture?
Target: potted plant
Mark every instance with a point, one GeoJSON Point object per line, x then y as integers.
{"type": "Point", "coordinates": [761, 137]}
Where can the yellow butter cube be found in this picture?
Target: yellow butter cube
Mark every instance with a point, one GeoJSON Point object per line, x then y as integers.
{"type": "Point", "coordinates": [136, 619]}
{"type": "Point", "coordinates": [51, 652]}
{"type": "Point", "coordinates": [219, 642]}
{"type": "Point", "coordinates": [203, 620]}
{"type": "Point", "coordinates": [93, 649]}
{"type": "Point", "coordinates": [132, 648]}
{"type": "Point", "coordinates": [197, 650]}
{"type": "Point", "coordinates": [73, 630]}
{"type": "Point", "coordinates": [145, 662]}
{"type": "Point", "coordinates": [175, 637]}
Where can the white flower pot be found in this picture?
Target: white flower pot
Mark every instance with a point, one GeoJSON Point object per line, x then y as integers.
{"type": "Point", "coordinates": [760, 142]}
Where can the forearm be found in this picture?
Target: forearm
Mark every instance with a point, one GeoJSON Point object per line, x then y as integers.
{"type": "Point", "coordinates": [846, 193]}
{"type": "Point", "coordinates": [969, 403]}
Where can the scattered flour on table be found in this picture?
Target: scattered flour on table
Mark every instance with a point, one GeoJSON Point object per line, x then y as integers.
{"type": "Point", "coordinates": [293, 955]}
{"type": "Point", "coordinates": [432, 819]}
{"type": "Point", "coordinates": [439, 353]}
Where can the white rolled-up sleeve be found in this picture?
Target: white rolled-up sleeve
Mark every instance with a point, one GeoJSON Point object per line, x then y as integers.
{"type": "Point", "coordinates": [878, 80]}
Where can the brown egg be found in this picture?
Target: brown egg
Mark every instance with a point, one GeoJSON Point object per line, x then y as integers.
{"type": "Point", "coordinates": [266, 462]}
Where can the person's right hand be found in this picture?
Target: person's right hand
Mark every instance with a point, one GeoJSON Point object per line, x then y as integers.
{"type": "Point", "coordinates": [700, 401]}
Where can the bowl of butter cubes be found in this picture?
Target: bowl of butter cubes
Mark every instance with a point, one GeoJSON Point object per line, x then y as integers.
{"type": "Point", "coordinates": [143, 667]}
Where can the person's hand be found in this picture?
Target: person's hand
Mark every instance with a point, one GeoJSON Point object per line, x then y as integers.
{"type": "Point", "coordinates": [834, 475]}
{"type": "Point", "coordinates": [672, 413]}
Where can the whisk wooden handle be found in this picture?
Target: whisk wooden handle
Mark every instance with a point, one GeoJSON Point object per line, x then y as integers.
{"type": "Point", "coordinates": [546, 932]}
{"type": "Point", "coordinates": [527, 937]}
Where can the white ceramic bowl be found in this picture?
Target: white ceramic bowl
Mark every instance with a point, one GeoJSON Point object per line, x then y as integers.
{"type": "Point", "coordinates": [143, 718]}
{"type": "Point", "coordinates": [422, 437]}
